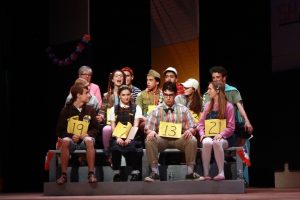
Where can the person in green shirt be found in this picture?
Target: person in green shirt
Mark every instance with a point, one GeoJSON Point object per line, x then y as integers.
{"type": "Point", "coordinates": [149, 98]}
{"type": "Point", "coordinates": [243, 128]}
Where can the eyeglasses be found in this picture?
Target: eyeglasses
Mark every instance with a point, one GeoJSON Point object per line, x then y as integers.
{"type": "Point", "coordinates": [85, 74]}
{"type": "Point", "coordinates": [118, 75]}
{"type": "Point", "coordinates": [168, 95]}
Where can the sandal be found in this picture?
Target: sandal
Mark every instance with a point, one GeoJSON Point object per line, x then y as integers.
{"type": "Point", "coordinates": [92, 178]}
{"type": "Point", "coordinates": [62, 179]}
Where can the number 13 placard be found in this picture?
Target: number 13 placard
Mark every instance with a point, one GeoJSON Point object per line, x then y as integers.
{"type": "Point", "coordinates": [171, 130]}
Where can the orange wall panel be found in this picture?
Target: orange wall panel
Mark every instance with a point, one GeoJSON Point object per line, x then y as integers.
{"type": "Point", "coordinates": [183, 56]}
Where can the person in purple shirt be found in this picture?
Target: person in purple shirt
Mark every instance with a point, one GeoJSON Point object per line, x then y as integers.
{"type": "Point", "coordinates": [217, 108]}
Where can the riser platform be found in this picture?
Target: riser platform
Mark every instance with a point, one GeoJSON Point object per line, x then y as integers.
{"type": "Point", "coordinates": [143, 188]}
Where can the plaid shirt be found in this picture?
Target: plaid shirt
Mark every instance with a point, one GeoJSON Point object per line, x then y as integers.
{"type": "Point", "coordinates": [180, 114]}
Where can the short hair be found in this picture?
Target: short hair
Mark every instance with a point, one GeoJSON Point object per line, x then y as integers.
{"type": "Point", "coordinates": [81, 81]}
{"type": "Point", "coordinates": [85, 68]}
{"type": "Point", "coordinates": [123, 87]}
{"type": "Point", "coordinates": [77, 89]}
{"type": "Point", "coordinates": [170, 86]}
{"type": "Point", "coordinates": [218, 69]}
{"type": "Point", "coordinates": [157, 80]}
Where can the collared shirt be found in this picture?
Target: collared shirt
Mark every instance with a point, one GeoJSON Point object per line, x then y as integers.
{"type": "Point", "coordinates": [146, 98]}
{"type": "Point", "coordinates": [112, 116]}
{"type": "Point", "coordinates": [122, 105]}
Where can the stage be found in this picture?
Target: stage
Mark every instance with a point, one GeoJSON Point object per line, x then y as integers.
{"type": "Point", "coordinates": [250, 194]}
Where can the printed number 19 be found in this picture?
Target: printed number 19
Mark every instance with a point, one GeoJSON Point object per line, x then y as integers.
{"type": "Point", "coordinates": [80, 128]}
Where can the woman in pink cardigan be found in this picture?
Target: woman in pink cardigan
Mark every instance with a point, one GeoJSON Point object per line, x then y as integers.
{"type": "Point", "coordinates": [217, 108]}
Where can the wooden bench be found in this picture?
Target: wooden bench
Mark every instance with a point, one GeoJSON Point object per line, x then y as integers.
{"type": "Point", "coordinates": [233, 170]}
{"type": "Point", "coordinates": [75, 172]}
{"type": "Point", "coordinates": [167, 172]}
{"type": "Point", "coordinates": [234, 186]}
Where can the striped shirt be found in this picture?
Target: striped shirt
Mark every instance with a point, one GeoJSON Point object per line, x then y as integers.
{"type": "Point", "coordinates": [180, 114]}
{"type": "Point", "coordinates": [134, 92]}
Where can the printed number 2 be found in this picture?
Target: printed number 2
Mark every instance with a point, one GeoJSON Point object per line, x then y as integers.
{"type": "Point", "coordinates": [212, 127]}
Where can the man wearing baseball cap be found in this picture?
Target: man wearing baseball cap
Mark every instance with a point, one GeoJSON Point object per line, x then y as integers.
{"type": "Point", "coordinates": [171, 75]}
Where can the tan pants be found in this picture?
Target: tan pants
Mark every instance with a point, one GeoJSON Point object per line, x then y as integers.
{"type": "Point", "coordinates": [189, 146]}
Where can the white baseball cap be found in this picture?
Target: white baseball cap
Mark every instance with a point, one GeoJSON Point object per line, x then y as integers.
{"type": "Point", "coordinates": [191, 83]}
{"type": "Point", "coordinates": [170, 69]}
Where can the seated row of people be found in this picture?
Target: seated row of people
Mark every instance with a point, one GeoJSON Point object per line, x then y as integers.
{"type": "Point", "coordinates": [168, 125]}
{"type": "Point", "coordinates": [151, 96]}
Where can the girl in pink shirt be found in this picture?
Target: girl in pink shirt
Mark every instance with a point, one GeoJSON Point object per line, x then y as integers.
{"type": "Point", "coordinates": [217, 108]}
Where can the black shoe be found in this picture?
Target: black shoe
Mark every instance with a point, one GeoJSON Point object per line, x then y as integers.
{"type": "Point", "coordinates": [117, 178]}
{"type": "Point", "coordinates": [135, 177]}
{"type": "Point", "coordinates": [230, 159]}
{"type": "Point", "coordinates": [153, 177]}
{"type": "Point", "coordinates": [194, 176]}
{"type": "Point", "coordinates": [108, 161]}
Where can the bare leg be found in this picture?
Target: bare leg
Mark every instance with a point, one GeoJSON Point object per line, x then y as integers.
{"type": "Point", "coordinates": [65, 154]}
{"type": "Point", "coordinates": [90, 153]}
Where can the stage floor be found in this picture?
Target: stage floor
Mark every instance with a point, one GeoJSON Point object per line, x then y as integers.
{"type": "Point", "coordinates": [251, 194]}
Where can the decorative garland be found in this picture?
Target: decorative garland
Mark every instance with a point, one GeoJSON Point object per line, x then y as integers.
{"type": "Point", "coordinates": [73, 56]}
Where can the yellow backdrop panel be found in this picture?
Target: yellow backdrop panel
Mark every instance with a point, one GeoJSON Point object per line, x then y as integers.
{"type": "Point", "coordinates": [183, 56]}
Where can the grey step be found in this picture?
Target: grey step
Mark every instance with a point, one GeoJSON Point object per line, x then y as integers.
{"type": "Point", "coordinates": [143, 188]}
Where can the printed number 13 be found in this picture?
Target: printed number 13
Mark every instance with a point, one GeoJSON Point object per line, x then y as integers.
{"type": "Point", "coordinates": [173, 129]}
